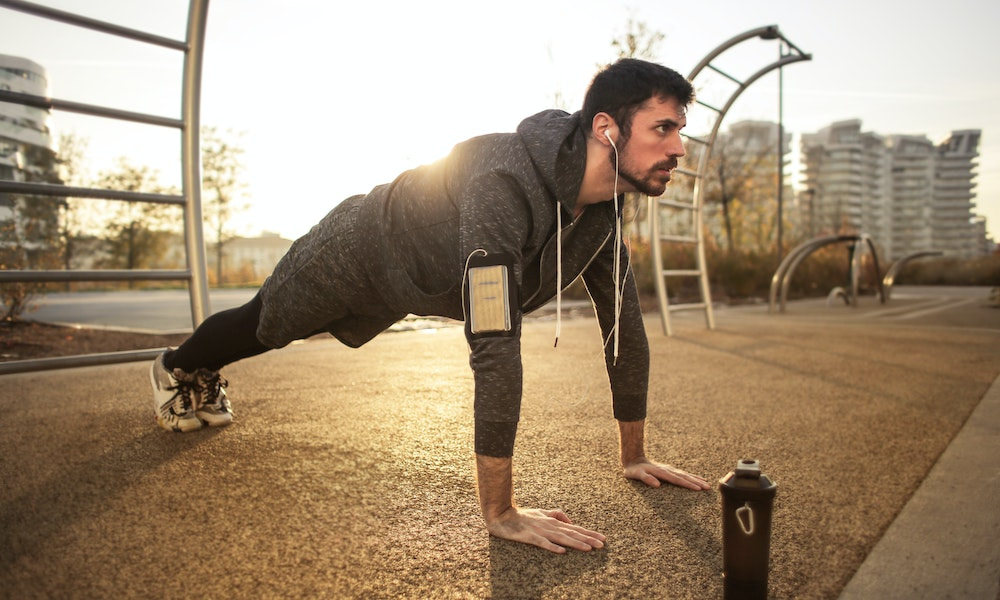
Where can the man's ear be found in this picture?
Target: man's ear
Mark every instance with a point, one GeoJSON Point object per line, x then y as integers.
{"type": "Point", "coordinates": [604, 129]}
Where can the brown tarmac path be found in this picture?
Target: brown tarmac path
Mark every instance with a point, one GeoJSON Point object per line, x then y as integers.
{"type": "Point", "coordinates": [348, 473]}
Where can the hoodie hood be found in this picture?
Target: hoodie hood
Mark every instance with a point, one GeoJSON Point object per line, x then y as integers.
{"type": "Point", "coordinates": [558, 148]}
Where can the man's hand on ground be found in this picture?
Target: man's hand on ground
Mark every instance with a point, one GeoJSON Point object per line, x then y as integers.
{"type": "Point", "coordinates": [548, 529]}
{"type": "Point", "coordinates": [652, 473]}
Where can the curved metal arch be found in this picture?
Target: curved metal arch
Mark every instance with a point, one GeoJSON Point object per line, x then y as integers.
{"type": "Point", "coordinates": [779, 281]}
{"type": "Point", "coordinates": [866, 241]}
{"type": "Point", "coordinates": [783, 275]}
{"type": "Point", "coordinates": [786, 278]}
{"type": "Point", "coordinates": [699, 187]}
{"type": "Point", "coordinates": [890, 277]}
{"type": "Point", "coordinates": [769, 32]}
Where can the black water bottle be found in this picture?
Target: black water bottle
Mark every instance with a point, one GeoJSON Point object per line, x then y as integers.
{"type": "Point", "coordinates": [747, 504]}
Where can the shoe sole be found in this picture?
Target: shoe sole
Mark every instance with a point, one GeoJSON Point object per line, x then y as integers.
{"type": "Point", "coordinates": [212, 420]}
{"type": "Point", "coordinates": [179, 427]}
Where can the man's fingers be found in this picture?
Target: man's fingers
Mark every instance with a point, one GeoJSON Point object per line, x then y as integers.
{"type": "Point", "coordinates": [577, 540]}
{"type": "Point", "coordinates": [652, 474]}
{"type": "Point", "coordinates": [560, 530]}
{"type": "Point", "coordinates": [683, 479]}
{"type": "Point", "coordinates": [651, 480]}
{"type": "Point", "coordinates": [550, 530]}
{"type": "Point", "coordinates": [558, 515]}
{"type": "Point", "coordinates": [690, 481]}
{"type": "Point", "coordinates": [545, 544]}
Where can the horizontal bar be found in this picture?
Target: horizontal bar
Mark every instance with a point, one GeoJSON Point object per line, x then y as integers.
{"type": "Point", "coordinates": [708, 106]}
{"type": "Point", "coordinates": [53, 275]}
{"type": "Point", "coordinates": [65, 191]}
{"type": "Point", "coordinates": [683, 239]}
{"type": "Point", "coordinates": [688, 306]}
{"type": "Point", "coordinates": [78, 360]}
{"type": "Point", "coordinates": [681, 272]}
{"type": "Point", "coordinates": [695, 139]}
{"type": "Point", "coordinates": [87, 109]}
{"type": "Point", "coordinates": [677, 204]}
{"type": "Point", "coordinates": [724, 74]}
{"type": "Point", "coordinates": [687, 172]}
{"type": "Point", "coordinates": [93, 24]}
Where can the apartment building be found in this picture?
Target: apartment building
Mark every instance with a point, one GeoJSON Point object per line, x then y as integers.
{"type": "Point", "coordinates": [21, 127]}
{"type": "Point", "coordinates": [29, 227]}
{"type": "Point", "coordinates": [844, 181]}
{"type": "Point", "coordinates": [907, 193]}
{"type": "Point", "coordinates": [952, 204]}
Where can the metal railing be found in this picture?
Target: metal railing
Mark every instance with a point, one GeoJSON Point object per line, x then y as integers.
{"type": "Point", "coordinates": [189, 125]}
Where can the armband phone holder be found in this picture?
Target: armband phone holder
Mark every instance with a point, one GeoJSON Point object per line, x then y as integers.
{"type": "Point", "coordinates": [490, 295]}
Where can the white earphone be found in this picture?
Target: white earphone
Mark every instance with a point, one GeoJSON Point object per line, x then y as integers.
{"type": "Point", "coordinates": [617, 279]}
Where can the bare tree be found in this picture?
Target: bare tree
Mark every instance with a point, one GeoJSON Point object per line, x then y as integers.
{"type": "Point", "coordinates": [638, 41]}
{"type": "Point", "coordinates": [136, 233]}
{"type": "Point", "coordinates": [222, 187]}
{"type": "Point", "coordinates": [69, 161]}
{"type": "Point", "coordinates": [29, 238]}
{"type": "Point", "coordinates": [737, 173]}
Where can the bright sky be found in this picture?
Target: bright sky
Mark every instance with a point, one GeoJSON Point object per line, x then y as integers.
{"type": "Point", "coordinates": [334, 98]}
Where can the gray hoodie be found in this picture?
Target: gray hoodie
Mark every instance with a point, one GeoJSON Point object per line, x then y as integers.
{"type": "Point", "coordinates": [403, 249]}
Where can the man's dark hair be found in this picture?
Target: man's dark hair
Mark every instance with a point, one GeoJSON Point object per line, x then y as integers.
{"type": "Point", "coordinates": [621, 88]}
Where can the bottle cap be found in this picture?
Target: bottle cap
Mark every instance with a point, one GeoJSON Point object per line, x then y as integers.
{"type": "Point", "coordinates": [748, 468]}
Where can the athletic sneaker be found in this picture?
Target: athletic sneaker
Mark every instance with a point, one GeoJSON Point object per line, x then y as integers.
{"type": "Point", "coordinates": [213, 407]}
{"type": "Point", "coordinates": [175, 395]}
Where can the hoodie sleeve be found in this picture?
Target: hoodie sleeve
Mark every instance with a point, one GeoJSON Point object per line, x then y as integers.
{"type": "Point", "coordinates": [495, 220]}
{"type": "Point", "coordinates": [629, 376]}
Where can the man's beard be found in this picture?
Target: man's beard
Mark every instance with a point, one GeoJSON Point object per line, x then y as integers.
{"type": "Point", "coordinates": [654, 183]}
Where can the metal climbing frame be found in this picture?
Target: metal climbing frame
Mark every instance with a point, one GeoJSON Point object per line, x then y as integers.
{"type": "Point", "coordinates": [189, 125]}
{"type": "Point", "coordinates": [792, 55]}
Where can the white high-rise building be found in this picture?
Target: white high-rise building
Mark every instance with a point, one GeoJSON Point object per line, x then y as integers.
{"type": "Point", "coordinates": [21, 127]}
{"type": "Point", "coordinates": [904, 191]}
{"type": "Point", "coordinates": [912, 193]}
{"type": "Point", "coordinates": [952, 205]}
{"type": "Point", "coordinates": [844, 181]}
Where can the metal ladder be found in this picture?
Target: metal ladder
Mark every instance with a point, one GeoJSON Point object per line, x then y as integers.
{"type": "Point", "coordinates": [657, 207]}
{"type": "Point", "coordinates": [192, 48]}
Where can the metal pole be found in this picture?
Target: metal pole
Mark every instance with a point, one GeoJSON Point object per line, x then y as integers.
{"type": "Point", "coordinates": [781, 148]}
{"type": "Point", "coordinates": [194, 236]}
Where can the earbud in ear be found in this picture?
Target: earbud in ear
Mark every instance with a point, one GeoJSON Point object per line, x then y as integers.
{"type": "Point", "coordinates": [607, 134]}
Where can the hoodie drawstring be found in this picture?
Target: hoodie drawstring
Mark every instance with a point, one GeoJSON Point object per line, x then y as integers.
{"type": "Point", "coordinates": [616, 275]}
{"type": "Point", "coordinates": [558, 273]}
{"type": "Point", "coordinates": [617, 282]}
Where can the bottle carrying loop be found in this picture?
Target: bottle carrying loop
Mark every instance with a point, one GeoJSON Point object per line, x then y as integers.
{"type": "Point", "coordinates": [748, 525]}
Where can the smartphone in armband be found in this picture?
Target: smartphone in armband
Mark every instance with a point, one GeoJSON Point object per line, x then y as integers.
{"type": "Point", "coordinates": [490, 296]}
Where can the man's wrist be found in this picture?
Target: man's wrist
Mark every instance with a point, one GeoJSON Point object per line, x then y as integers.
{"type": "Point", "coordinates": [494, 476]}
{"type": "Point", "coordinates": [632, 441]}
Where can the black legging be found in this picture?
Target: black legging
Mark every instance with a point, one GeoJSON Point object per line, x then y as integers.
{"type": "Point", "coordinates": [221, 339]}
